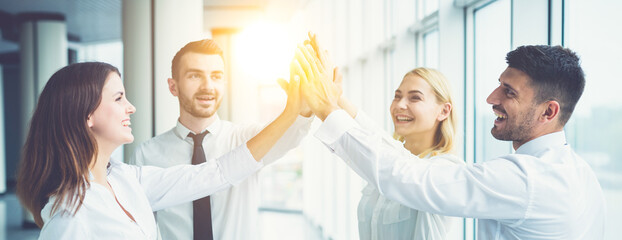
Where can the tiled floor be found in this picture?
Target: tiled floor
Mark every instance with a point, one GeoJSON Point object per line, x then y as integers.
{"type": "Point", "coordinates": [273, 225]}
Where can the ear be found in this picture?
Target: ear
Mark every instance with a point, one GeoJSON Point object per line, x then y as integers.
{"type": "Point", "coordinates": [551, 111]}
{"type": "Point", "coordinates": [172, 86]}
{"type": "Point", "coordinates": [445, 111]}
{"type": "Point", "coordinates": [89, 121]}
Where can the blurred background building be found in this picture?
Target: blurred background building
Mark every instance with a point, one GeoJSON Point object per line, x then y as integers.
{"type": "Point", "coordinates": [310, 194]}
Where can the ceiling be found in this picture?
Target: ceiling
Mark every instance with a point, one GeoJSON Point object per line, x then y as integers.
{"type": "Point", "coordinates": [88, 20]}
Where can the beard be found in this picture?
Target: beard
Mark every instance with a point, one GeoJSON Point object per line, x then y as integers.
{"type": "Point", "coordinates": [517, 130]}
{"type": "Point", "coordinates": [189, 105]}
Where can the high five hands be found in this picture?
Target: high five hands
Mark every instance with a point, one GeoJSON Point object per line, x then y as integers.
{"type": "Point", "coordinates": [319, 83]}
{"type": "Point", "coordinates": [316, 74]}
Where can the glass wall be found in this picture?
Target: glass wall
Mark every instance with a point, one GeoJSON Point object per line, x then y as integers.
{"type": "Point", "coordinates": [492, 40]}
{"type": "Point", "coordinates": [592, 29]}
{"type": "Point", "coordinates": [430, 48]}
{"type": "Point", "coordinates": [375, 43]}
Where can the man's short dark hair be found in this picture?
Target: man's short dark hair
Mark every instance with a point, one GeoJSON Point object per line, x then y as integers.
{"type": "Point", "coordinates": [205, 46]}
{"type": "Point", "coordinates": [555, 74]}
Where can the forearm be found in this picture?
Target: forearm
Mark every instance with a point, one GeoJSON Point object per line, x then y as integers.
{"type": "Point", "coordinates": [170, 186]}
{"type": "Point", "coordinates": [346, 105]}
{"type": "Point", "coordinates": [261, 144]}
{"type": "Point", "coordinates": [425, 184]}
{"type": "Point", "coordinates": [390, 168]}
{"type": "Point", "coordinates": [325, 111]}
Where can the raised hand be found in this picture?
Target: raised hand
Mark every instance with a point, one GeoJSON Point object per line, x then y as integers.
{"type": "Point", "coordinates": [325, 60]}
{"type": "Point", "coordinates": [321, 54]}
{"type": "Point", "coordinates": [305, 110]}
{"type": "Point", "coordinates": [316, 81]}
{"type": "Point", "coordinates": [338, 80]}
{"type": "Point", "coordinates": [294, 99]}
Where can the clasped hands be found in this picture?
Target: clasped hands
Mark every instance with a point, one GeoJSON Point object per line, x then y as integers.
{"type": "Point", "coordinates": [315, 84]}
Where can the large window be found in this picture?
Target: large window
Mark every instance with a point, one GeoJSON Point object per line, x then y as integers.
{"type": "Point", "coordinates": [488, 40]}
{"type": "Point", "coordinates": [492, 27]}
{"type": "Point", "coordinates": [430, 49]}
{"type": "Point", "coordinates": [427, 7]}
{"type": "Point", "coordinates": [376, 42]}
{"type": "Point", "coordinates": [591, 28]}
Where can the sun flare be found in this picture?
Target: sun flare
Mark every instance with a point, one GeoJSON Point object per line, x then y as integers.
{"type": "Point", "coordinates": [264, 50]}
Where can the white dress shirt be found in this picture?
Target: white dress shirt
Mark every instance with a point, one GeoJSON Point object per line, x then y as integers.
{"type": "Point", "coordinates": [382, 218]}
{"type": "Point", "coordinates": [543, 191]}
{"type": "Point", "coordinates": [234, 211]}
{"type": "Point", "coordinates": [142, 190]}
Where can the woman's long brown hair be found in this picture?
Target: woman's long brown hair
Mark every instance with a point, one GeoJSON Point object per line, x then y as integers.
{"type": "Point", "coordinates": [60, 147]}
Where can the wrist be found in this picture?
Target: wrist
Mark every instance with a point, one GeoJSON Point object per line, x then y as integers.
{"type": "Point", "coordinates": [306, 114]}
{"type": "Point", "coordinates": [323, 113]}
{"type": "Point", "coordinates": [348, 106]}
{"type": "Point", "coordinates": [291, 111]}
{"type": "Point", "coordinates": [342, 102]}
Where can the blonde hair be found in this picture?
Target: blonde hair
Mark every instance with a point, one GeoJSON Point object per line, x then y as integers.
{"type": "Point", "coordinates": [446, 131]}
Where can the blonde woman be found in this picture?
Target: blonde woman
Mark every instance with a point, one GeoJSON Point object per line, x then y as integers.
{"type": "Point", "coordinates": [424, 121]}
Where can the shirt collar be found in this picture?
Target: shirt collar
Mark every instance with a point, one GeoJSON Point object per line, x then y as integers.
{"type": "Point", "coordinates": [182, 131]}
{"type": "Point", "coordinates": [543, 142]}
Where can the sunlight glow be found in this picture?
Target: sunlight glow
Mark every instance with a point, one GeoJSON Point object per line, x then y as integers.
{"type": "Point", "coordinates": [264, 51]}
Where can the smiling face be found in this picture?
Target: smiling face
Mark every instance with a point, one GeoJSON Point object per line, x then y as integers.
{"type": "Point", "coordinates": [415, 110]}
{"type": "Point", "coordinates": [110, 122]}
{"type": "Point", "coordinates": [200, 84]}
{"type": "Point", "coordinates": [514, 106]}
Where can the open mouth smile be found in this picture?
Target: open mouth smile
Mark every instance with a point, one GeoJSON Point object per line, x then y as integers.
{"type": "Point", "coordinates": [206, 98]}
{"type": "Point", "coordinates": [403, 118]}
{"type": "Point", "coordinates": [501, 116]}
{"type": "Point", "coordinates": [126, 123]}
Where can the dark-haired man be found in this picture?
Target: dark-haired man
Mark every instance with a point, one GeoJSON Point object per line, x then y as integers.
{"type": "Point", "coordinates": [542, 191]}
{"type": "Point", "coordinates": [199, 84]}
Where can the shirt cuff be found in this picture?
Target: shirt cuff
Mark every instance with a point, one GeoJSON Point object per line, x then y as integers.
{"type": "Point", "coordinates": [334, 126]}
{"type": "Point", "coordinates": [364, 120]}
{"type": "Point", "coordinates": [238, 164]}
{"type": "Point", "coordinates": [304, 122]}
